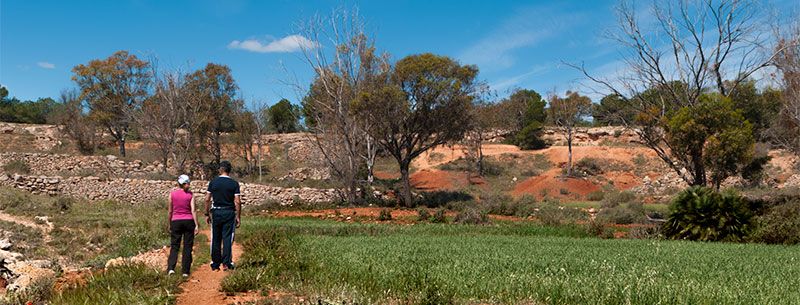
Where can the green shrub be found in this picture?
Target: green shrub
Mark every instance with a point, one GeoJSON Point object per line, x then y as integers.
{"type": "Point", "coordinates": [615, 198]}
{"type": "Point", "coordinates": [439, 216]}
{"type": "Point", "coordinates": [623, 214]}
{"type": "Point", "coordinates": [17, 167]}
{"type": "Point", "coordinates": [597, 227]}
{"type": "Point", "coordinates": [780, 225]}
{"type": "Point", "coordinates": [700, 213]}
{"type": "Point", "coordinates": [587, 167]}
{"type": "Point", "coordinates": [385, 215]}
{"type": "Point", "coordinates": [530, 137]}
{"type": "Point", "coordinates": [595, 196]}
{"type": "Point", "coordinates": [553, 215]}
{"type": "Point", "coordinates": [423, 214]}
{"type": "Point", "coordinates": [63, 204]}
{"type": "Point", "coordinates": [472, 216]}
{"type": "Point", "coordinates": [441, 198]}
{"type": "Point", "coordinates": [646, 232]}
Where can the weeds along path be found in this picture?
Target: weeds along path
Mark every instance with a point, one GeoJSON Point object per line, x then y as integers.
{"type": "Point", "coordinates": [203, 286]}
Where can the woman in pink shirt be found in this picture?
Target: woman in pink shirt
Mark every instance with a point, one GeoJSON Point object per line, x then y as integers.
{"type": "Point", "coordinates": [182, 225]}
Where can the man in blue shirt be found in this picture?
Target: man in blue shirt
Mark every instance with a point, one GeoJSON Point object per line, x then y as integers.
{"type": "Point", "coordinates": [223, 212]}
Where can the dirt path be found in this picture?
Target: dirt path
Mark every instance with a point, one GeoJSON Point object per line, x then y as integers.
{"type": "Point", "coordinates": [203, 286]}
{"type": "Point", "coordinates": [44, 228]}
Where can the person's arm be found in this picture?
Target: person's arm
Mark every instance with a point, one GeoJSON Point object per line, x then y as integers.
{"type": "Point", "coordinates": [208, 207]}
{"type": "Point", "coordinates": [169, 214]}
{"type": "Point", "coordinates": [237, 200]}
{"type": "Point", "coordinates": [194, 218]}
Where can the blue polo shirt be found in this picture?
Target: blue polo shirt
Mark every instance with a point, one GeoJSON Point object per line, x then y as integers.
{"type": "Point", "coordinates": [223, 189]}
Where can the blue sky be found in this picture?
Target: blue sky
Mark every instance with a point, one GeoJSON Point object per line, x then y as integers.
{"type": "Point", "coordinates": [514, 43]}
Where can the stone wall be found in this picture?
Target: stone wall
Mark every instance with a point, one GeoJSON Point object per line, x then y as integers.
{"type": "Point", "coordinates": [140, 190]}
{"type": "Point", "coordinates": [70, 165]}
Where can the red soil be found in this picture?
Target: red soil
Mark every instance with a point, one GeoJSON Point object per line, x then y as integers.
{"type": "Point", "coordinates": [550, 185]}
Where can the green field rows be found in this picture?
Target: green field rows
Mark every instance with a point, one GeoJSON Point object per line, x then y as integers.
{"type": "Point", "coordinates": [513, 263]}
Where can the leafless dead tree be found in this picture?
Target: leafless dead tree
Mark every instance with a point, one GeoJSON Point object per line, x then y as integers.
{"type": "Point", "coordinates": [687, 48]}
{"type": "Point", "coordinates": [344, 62]}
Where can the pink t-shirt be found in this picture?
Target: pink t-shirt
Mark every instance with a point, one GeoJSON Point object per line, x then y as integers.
{"type": "Point", "coordinates": [181, 204]}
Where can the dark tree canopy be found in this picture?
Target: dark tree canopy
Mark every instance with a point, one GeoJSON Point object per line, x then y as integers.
{"type": "Point", "coordinates": [284, 117]}
{"type": "Point", "coordinates": [13, 110]}
{"type": "Point", "coordinates": [613, 111]}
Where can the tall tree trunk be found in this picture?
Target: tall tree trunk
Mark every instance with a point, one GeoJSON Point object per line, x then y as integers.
{"type": "Point", "coordinates": [122, 146]}
{"type": "Point", "coordinates": [698, 169]}
{"type": "Point", "coordinates": [569, 153]}
{"type": "Point", "coordinates": [406, 197]}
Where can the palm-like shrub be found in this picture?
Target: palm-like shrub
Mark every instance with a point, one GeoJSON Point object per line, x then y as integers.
{"type": "Point", "coordinates": [700, 213]}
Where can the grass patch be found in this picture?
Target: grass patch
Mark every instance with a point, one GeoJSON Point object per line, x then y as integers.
{"type": "Point", "coordinates": [493, 264]}
{"type": "Point", "coordinates": [25, 240]}
{"type": "Point", "coordinates": [125, 284]}
{"type": "Point", "coordinates": [93, 232]}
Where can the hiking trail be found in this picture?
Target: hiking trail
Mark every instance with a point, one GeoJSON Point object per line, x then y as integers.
{"type": "Point", "coordinates": [203, 285]}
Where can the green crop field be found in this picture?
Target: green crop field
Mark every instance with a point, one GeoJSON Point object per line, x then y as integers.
{"type": "Point", "coordinates": [505, 263]}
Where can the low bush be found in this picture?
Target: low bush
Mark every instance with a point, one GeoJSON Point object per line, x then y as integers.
{"type": "Point", "coordinates": [472, 216]}
{"type": "Point", "coordinates": [595, 196]}
{"type": "Point", "coordinates": [439, 216]}
{"type": "Point", "coordinates": [597, 227]}
{"type": "Point", "coordinates": [63, 204]}
{"type": "Point", "coordinates": [17, 167]}
{"type": "Point", "coordinates": [700, 213]}
{"type": "Point", "coordinates": [615, 198]}
{"type": "Point", "coordinates": [385, 215]}
{"type": "Point", "coordinates": [646, 232]}
{"type": "Point", "coordinates": [586, 167]}
{"type": "Point", "coordinates": [779, 225]}
{"type": "Point", "coordinates": [423, 214]}
{"type": "Point", "coordinates": [554, 215]}
{"type": "Point", "coordinates": [441, 198]}
{"type": "Point", "coordinates": [623, 214]}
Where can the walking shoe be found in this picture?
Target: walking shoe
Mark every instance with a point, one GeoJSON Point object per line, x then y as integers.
{"type": "Point", "coordinates": [185, 275]}
{"type": "Point", "coordinates": [228, 268]}
{"type": "Point", "coordinates": [171, 272]}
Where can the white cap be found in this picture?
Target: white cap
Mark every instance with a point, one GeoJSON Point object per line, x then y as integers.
{"type": "Point", "coordinates": [183, 179]}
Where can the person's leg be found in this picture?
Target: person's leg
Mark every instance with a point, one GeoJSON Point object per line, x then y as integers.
{"type": "Point", "coordinates": [227, 239]}
{"type": "Point", "coordinates": [174, 245]}
{"type": "Point", "coordinates": [216, 239]}
{"type": "Point", "coordinates": [188, 243]}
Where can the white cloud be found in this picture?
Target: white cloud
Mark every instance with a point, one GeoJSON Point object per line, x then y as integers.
{"type": "Point", "coordinates": [45, 65]}
{"type": "Point", "coordinates": [288, 44]}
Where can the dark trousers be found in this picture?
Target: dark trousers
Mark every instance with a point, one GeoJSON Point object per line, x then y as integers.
{"type": "Point", "coordinates": [223, 225]}
{"type": "Point", "coordinates": [181, 229]}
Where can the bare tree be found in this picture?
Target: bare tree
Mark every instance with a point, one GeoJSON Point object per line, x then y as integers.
{"type": "Point", "coordinates": [159, 116]}
{"type": "Point", "coordinates": [75, 123]}
{"type": "Point", "coordinates": [567, 113]}
{"type": "Point", "coordinates": [786, 128]}
{"type": "Point", "coordinates": [261, 120]}
{"type": "Point", "coordinates": [687, 48]}
{"type": "Point", "coordinates": [343, 58]}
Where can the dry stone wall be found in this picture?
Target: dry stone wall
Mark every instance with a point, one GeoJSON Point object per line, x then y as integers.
{"type": "Point", "coordinates": [140, 190]}
{"type": "Point", "coordinates": [70, 165]}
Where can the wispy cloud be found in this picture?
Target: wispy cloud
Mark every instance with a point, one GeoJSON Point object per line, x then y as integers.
{"type": "Point", "coordinates": [527, 28]}
{"type": "Point", "coordinates": [45, 65]}
{"type": "Point", "coordinates": [510, 82]}
{"type": "Point", "coordinates": [288, 44]}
